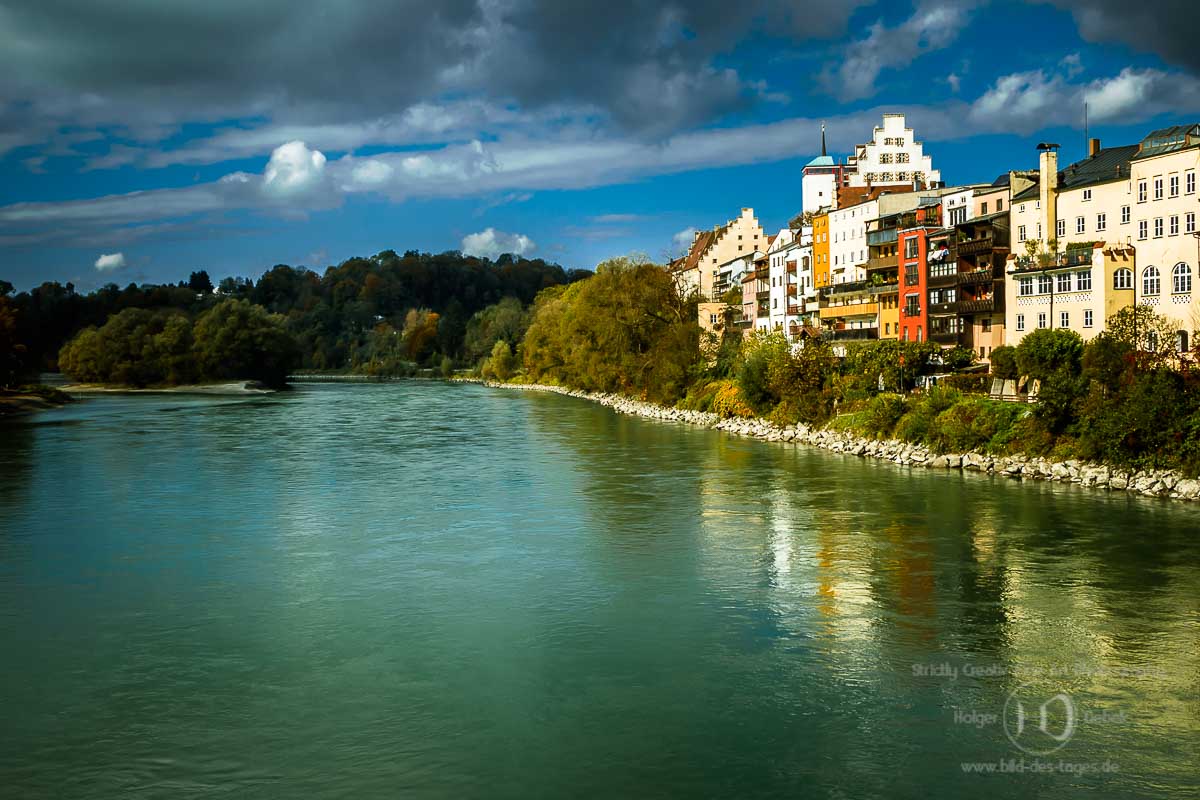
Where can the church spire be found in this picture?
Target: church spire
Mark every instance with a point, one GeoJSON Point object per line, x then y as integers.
{"type": "Point", "coordinates": [823, 139]}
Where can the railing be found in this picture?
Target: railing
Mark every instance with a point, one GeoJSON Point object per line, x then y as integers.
{"type": "Point", "coordinates": [882, 262]}
{"type": "Point", "coordinates": [976, 276]}
{"type": "Point", "coordinates": [763, 273]}
{"type": "Point", "coordinates": [791, 290]}
{"type": "Point", "coordinates": [791, 266]}
{"type": "Point", "coordinates": [947, 279]}
{"type": "Point", "coordinates": [1072, 258]}
{"type": "Point", "coordinates": [976, 306]}
{"type": "Point", "coordinates": [854, 334]}
{"type": "Point", "coordinates": [887, 287]}
{"type": "Point", "coordinates": [795, 310]}
{"type": "Point", "coordinates": [763, 295]}
{"type": "Point", "coordinates": [943, 337]}
{"type": "Point", "coordinates": [912, 311]}
{"type": "Point", "coordinates": [973, 246]}
{"type": "Point", "coordinates": [943, 308]}
{"type": "Point", "coordinates": [881, 237]}
{"type": "Point", "coordinates": [855, 287]}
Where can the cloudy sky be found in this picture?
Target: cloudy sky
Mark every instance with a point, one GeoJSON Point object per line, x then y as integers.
{"type": "Point", "coordinates": [143, 139]}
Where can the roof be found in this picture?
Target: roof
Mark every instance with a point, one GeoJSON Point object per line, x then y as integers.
{"type": "Point", "coordinates": [822, 161]}
{"type": "Point", "coordinates": [1109, 164]}
{"type": "Point", "coordinates": [853, 195]}
{"type": "Point", "coordinates": [703, 241]}
{"type": "Point", "coordinates": [1029, 193]}
{"type": "Point", "coordinates": [1169, 140]}
{"type": "Point", "coordinates": [995, 215]}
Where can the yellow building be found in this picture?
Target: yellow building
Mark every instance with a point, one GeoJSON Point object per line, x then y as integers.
{"type": "Point", "coordinates": [821, 248]}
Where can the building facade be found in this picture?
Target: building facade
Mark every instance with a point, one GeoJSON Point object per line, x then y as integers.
{"type": "Point", "coordinates": [892, 157]}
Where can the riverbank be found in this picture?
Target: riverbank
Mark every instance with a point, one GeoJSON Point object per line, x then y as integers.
{"type": "Point", "coordinates": [29, 400]}
{"type": "Point", "coordinates": [1156, 483]}
{"type": "Point", "coordinates": [230, 388]}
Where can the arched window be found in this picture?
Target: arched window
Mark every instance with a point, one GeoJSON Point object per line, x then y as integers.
{"type": "Point", "coordinates": [1151, 281]}
{"type": "Point", "coordinates": [1123, 279]}
{"type": "Point", "coordinates": [1181, 279]}
{"type": "Point", "coordinates": [1181, 341]}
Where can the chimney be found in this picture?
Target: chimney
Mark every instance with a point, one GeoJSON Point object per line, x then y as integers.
{"type": "Point", "coordinates": [1048, 189]}
{"type": "Point", "coordinates": [1093, 147]}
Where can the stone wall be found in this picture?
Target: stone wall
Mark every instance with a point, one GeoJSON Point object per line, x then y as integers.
{"type": "Point", "coordinates": [1160, 483]}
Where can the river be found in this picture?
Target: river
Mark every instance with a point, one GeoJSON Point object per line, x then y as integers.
{"type": "Point", "coordinates": [427, 590]}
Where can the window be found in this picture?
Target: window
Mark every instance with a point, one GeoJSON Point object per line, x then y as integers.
{"type": "Point", "coordinates": [1064, 319]}
{"type": "Point", "coordinates": [1141, 191]}
{"type": "Point", "coordinates": [1087, 194]}
{"type": "Point", "coordinates": [1042, 319]}
{"type": "Point", "coordinates": [1123, 279]}
{"type": "Point", "coordinates": [712, 319]}
{"type": "Point", "coordinates": [1079, 225]}
{"type": "Point", "coordinates": [901, 176]}
{"type": "Point", "coordinates": [1101, 223]}
{"type": "Point", "coordinates": [886, 177]}
{"type": "Point", "coordinates": [1189, 222]}
{"type": "Point", "coordinates": [1143, 229]}
{"type": "Point", "coordinates": [910, 247]}
{"type": "Point", "coordinates": [1124, 215]}
{"type": "Point", "coordinates": [1173, 226]}
{"type": "Point", "coordinates": [900, 142]}
{"type": "Point", "coordinates": [1181, 279]}
{"type": "Point", "coordinates": [885, 158]}
{"type": "Point", "coordinates": [985, 325]}
{"type": "Point", "coordinates": [1044, 285]}
{"type": "Point", "coordinates": [1158, 227]}
{"type": "Point", "coordinates": [1020, 233]}
{"type": "Point", "coordinates": [1083, 281]}
{"type": "Point", "coordinates": [1189, 182]}
{"type": "Point", "coordinates": [1173, 186]}
{"type": "Point", "coordinates": [1063, 284]}
{"type": "Point", "coordinates": [1060, 228]}
{"type": "Point", "coordinates": [983, 209]}
{"type": "Point", "coordinates": [1020, 322]}
{"type": "Point", "coordinates": [1026, 287]}
{"type": "Point", "coordinates": [1158, 189]}
{"type": "Point", "coordinates": [1087, 318]}
{"type": "Point", "coordinates": [1151, 283]}
{"type": "Point", "coordinates": [999, 206]}
{"type": "Point", "coordinates": [1021, 208]}
{"type": "Point", "coordinates": [901, 158]}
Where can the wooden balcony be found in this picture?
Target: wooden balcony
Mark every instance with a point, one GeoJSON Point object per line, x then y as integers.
{"type": "Point", "coordinates": [976, 276]}
{"type": "Point", "coordinates": [976, 306]}
{"type": "Point", "coordinates": [974, 246]}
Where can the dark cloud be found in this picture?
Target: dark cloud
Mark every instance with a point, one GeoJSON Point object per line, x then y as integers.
{"type": "Point", "coordinates": [1164, 27]}
{"type": "Point", "coordinates": [146, 66]}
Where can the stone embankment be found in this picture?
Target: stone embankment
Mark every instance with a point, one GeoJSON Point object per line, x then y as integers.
{"type": "Point", "coordinates": [1159, 483]}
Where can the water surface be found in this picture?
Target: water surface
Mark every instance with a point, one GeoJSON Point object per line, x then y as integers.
{"type": "Point", "coordinates": [422, 590]}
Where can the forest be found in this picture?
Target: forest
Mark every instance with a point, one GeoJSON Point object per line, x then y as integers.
{"type": "Point", "coordinates": [386, 314]}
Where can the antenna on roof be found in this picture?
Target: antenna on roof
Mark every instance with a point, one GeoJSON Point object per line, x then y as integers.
{"type": "Point", "coordinates": [823, 137]}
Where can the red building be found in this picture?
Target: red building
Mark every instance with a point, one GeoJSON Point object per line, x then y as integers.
{"type": "Point", "coordinates": [922, 251]}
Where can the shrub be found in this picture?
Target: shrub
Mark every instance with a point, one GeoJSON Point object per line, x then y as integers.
{"type": "Point", "coordinates": [881, 414]}
{"type": "Point", "coordinates": [729, 402]}
{"type": "Point", "coordinates": [752, 378]}
{"type": "Point", "coordinates": [971, 424]}
{"type": "Point", "coordinates": [916, 424]}
{"type": "Point", "coordinates": [502, 362]}
{"type": "Point", "coordinates": [1046, 351]}
{"type": "Point", "coordinates": [968, 382]}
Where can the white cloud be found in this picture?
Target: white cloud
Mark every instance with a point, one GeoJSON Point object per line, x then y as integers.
{"type": "Point", "coordinates": [490, 243]}
{"type": "Point", "coordinates": [294, 169]}
{"type": "Point", "coordinates": [933, 26]}
{"type": "Point", "coordinates": [371, 172]}
{"type": "Point", "coordinates": [110, 262]}
{"type": "Point", "coordinates": [955, 82]}
{"type": "Point", "coordinates": [681, 241]}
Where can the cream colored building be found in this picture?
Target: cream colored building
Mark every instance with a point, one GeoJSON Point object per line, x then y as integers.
{"type": "Point", "coordinates": [1143, 194]}
{"type": "Point", "coordinates": [1077, 291]}
{"type": "Point", "coordinates": [700, 269]}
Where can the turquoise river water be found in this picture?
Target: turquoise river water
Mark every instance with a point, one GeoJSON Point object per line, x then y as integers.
{"type": "Point", "coordinates": [421, 590]}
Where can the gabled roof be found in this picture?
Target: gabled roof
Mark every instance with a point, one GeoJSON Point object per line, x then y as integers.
{"type": "Point", "coordinates": [703, 241]}
{"type": "Point", "coordinates": [1110, 164]}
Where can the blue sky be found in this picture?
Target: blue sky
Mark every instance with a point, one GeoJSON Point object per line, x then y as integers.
{"type": "Point", "coordinates": [232, 136]}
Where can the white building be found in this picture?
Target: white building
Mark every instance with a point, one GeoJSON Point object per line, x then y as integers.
{"type": "Point", "coordinates": [848, 241]}
{"type": "Point", "coordinates": [791, 275]}
{"type": "Point", "coordinates": [893, 156]}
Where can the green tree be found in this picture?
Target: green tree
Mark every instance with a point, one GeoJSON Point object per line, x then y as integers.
{"type": "Point", "coordinates": [238, 340]}
{"type": "Point", "coordinates": [12, 351]}
{"type": "Point", "coordinates": [1145, 333]}
{"type": "Point", "coordinates": [1046, 351]}
{"type": "Point", "coordinates": [200, 283]}
{"type": "Point", "coordinates": [1004, 362]}
{"type": "Point", "coordinates": [502, 361]}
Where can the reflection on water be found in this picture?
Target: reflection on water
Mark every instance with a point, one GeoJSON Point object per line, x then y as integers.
{"type": "Point", "coordinates": [426, 590]}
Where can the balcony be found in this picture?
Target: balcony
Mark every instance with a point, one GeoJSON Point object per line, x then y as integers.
{"type": "Point", "coordinates": [912, 311]}
{"type": "Point", "coordinates": [937, 281]}
{"type": "Point", "coordinates": [791, 290]}
{"type": "Point", "coordinates": [974, 246]}
{"type": "Point", "coordinates": [943, 337]}
{"type": "Point", "coordinates": [887, 287]}
{"type": "Point", "coordinates": [976, 276]}
{"type": "Point", "coordinates": [861, 309]}
{"type": "Point", "coordinates": [882, 262]}
{"type": "Point", "coordinates": [875, 238]}
{"type": "Point", "coordinates": [794, 311]}
{"type": "Point", "coordinates": [763, 295]}
{"type": "Point", "coordinates": [763, 273]}
{"type": "Point", "coordinates": [791, 267]}
{"type": "Point", "coordinates": [976, 306]}
{"type": "Point", "coordinates": [855, 287]}
{"type": "Point", "coordinates": [853, 334]}
{"type": "Point", "coordinates": [943, 308]}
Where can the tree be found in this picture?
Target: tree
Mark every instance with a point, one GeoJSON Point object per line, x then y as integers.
{"type": "Point", "coordinates": [12, 351]}
{"type": "Point", "coordinates": [1046, 351]}
{"type": "Point", "coordinates": [501, 361]}
{"type": "Point", "coordinates": [1149, 336]}
{"type": "Point", "coordinates": [236, 339]}
{"type": "Point", "coordinates": [200, 283]}
{"type": "Point", "coordinates": [1107, 362]}
{"type": "Point", "coordinates": [1004, 362]}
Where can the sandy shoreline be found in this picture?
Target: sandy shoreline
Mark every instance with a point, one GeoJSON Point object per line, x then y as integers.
{"type": "Point", "coordinates": [231, 388]}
